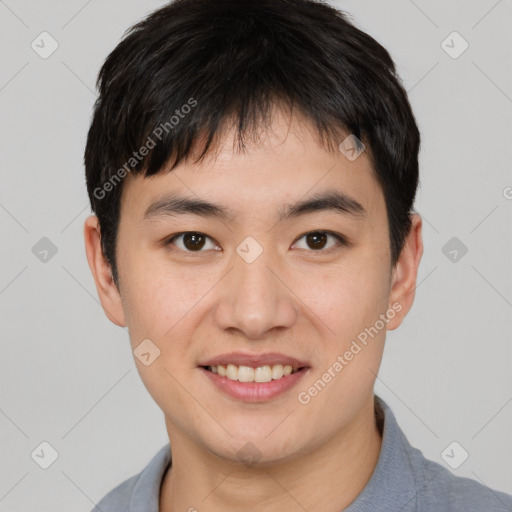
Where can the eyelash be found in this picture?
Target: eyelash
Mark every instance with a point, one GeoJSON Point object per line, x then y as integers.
{"type": "Point", "coordinates": [342, 241]}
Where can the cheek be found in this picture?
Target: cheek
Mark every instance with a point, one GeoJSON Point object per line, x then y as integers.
{"type": "Point", "coordinates": [351, 304]}
{"type": "Point", "coordinates": [349, 297]}
{"type": "Point", "coordinates": [156, 296]}
{"type": "Point", "coordinates": [161, 309]}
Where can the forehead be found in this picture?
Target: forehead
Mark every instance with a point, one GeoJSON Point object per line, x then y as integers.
{"type": "Point", "coordinates": [280, 165]}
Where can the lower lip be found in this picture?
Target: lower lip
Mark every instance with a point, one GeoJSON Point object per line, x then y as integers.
{"type": "Point", "coordinates": [255, 391]}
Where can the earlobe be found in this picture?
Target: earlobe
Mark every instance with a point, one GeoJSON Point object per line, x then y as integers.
{"type": "Point", "coordinates": [108, 292]}
{"type": "Point", "coordinates": [405, 273]}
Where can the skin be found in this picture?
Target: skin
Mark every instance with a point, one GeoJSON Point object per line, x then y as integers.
{"type": "Point", "coordinates": [293, 299]}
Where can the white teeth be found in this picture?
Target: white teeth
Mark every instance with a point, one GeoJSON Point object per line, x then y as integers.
{"type": "Point", "coordinates": [247, 374]}
{"type": "Point", "coordinates": [262, 374]}
{"type": "Point", "coordinates": [277, 371]}
{"type": "Point", "coordinates": [232, 372]}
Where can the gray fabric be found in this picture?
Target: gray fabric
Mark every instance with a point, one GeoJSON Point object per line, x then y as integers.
{"type": "Point", "coordinates": [403, 481]}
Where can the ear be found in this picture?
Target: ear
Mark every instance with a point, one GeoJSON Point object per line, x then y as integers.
{"type": "Point", "coordinates": [405, 272]}
{"type": "Point", "coordinates": [108, 293]}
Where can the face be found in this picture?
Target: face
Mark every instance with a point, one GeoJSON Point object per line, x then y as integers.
{"type": "Point", "coordinates": [259, 284]}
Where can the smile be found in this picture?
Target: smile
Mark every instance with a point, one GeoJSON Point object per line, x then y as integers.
{"type": "Point", "coordinates": [253, 377]}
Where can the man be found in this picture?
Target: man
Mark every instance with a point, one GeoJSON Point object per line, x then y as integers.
{"type": "Point", "coordinates": [253, 165]}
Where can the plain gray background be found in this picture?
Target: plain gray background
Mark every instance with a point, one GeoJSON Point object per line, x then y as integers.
{"type": "Point", "coordinates": [67, 376]}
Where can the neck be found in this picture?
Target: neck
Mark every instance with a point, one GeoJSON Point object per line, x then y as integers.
{"type": "Point", "coordinates": [326, 479]}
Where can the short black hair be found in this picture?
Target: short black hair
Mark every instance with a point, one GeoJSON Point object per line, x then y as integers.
{"type": "Point", "coordinates": [179, 75]}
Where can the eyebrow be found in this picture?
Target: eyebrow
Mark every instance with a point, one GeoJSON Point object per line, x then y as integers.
{"type": "Point", "coordinates": [174, 205]}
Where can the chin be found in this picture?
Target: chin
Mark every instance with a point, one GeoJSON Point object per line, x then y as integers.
{"type": "Point", "coordinates": [254, 450]}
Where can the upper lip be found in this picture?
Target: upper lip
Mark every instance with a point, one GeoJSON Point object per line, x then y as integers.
{"type": "Point", "coordinates": [254, 360]}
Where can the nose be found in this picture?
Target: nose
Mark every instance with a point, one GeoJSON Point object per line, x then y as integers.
{"type": "Point", "coordinates": [255, 298]}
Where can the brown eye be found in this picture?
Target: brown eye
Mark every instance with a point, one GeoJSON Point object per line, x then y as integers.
{"type": "Point", "coordinates": [191, 241]}
{"type": "Point", "coordinates": [317, 240]}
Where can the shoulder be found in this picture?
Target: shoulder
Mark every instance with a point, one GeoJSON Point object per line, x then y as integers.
{"type": "Point", "coordinates": [439, 489]}
{"type": "Point", "coordinates": [119, 497]}
{"type": "Point", "coordinates": [405, 480]}
{"type": "Point", "coordinates": [141, 491]}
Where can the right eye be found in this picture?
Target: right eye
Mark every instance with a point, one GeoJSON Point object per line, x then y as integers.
{"type": "Point", "coordinates": [190, 241]}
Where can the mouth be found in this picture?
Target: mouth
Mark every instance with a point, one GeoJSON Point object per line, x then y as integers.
{"type": "Point", "coordinates": [254, 378]}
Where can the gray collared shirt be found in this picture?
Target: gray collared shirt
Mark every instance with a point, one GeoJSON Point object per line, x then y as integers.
{"type": "Point", "coordinates": [402, 481]}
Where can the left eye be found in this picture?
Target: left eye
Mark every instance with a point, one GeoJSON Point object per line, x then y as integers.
{"type": "Point", "coordinates": [317, 240]}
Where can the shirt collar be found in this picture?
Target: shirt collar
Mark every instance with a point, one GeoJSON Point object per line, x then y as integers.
{"type": "Point", "coordinates": [146, 491]}
{"type": "Point", "coordinates": [393, 475]}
